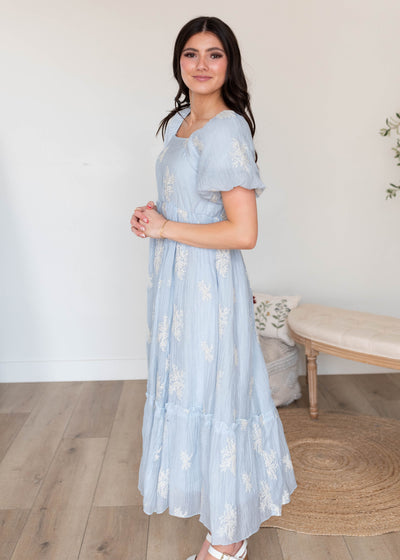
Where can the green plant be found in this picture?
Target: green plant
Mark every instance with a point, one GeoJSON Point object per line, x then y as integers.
{"type": "Point", "coordinates": [393, 124]}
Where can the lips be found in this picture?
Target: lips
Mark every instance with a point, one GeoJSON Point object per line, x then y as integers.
{"type": "Point", "coordinates": [202, 78]}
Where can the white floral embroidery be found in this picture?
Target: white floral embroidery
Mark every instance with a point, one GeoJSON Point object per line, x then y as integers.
{"type": "Point", "coordinates": [222, 259]}
{"type": "Point", "coordinates": [163, 333]}
{"type": "Point", "coordinates": [159, 387]}
{"type": "Point", "coordinates": [158, 251]}
{"type": "Point", "coordinates": [222, 319]}
{"type": "Point", "coordinates": [285, 497]}
{"type": "Point", "coordinates": [205, 290]}
{"type": "Point", "coordinates": [149, 281]}
{"type": "Point", "coordinates": [215, 198]}
{"type": "Point", "coordinates": [235, 356]}
{"type": "Point", "coordinates": [247, 482]}
{"type": "Point", "coordinates": [220, 374]}
{"type": "Point", "coordinates": [162, 486]}
{"type": "Point", "coordinates": [243, 423]}
{"type": "Point", "coordinates": [169, 181]}
{"type": "Point", "coordinates": [179, 512]}
{"type": "Point", "coordinates": [157, 453]}
{"type": "Point", "coordinates": [226, 114]}
{"type": "Point", "coordinates": [270, 463]}
{"type": "Point", "coordinates": [162, 154]}
{"type": "Point", "coordinates": [286, 460]}
{"type": "Point", "coordinates": [228, 521]}
{"type": "Point", "coordinates": [177, 382]}
{"type": "Point", "coordinates": [197, 143]}
{"type": "Point", "coordinates": [186, 460]}
{"type": "Point", "coordinates": [208, 351]}
{"type": "Point", "coordinates": [251, 384]}
{"type": "Point", "coordinates": [257, 438]}
{"type": "Point", "coordinates": [177, 323]}
{"type": "Point", "coordinates": [265, 497]}
{"type": "Point", "coordinates": [181, 260]}
{"type": "Point", "coordinates": [228, 455]}
{"type": "Point", "coordinates": [182, 213]}
{"type": "Point", "coordinates": [239, 154]}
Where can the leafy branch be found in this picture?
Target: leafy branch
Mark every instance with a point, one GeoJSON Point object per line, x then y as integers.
{"type": "Point", "coordinates": [393, 124]}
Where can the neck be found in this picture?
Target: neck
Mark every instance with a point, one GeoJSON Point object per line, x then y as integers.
{"type": "Point", "coordinates": [205, 107]}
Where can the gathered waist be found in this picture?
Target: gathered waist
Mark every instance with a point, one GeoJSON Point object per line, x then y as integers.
{"type": "Point", "coordinates": [179, 214]}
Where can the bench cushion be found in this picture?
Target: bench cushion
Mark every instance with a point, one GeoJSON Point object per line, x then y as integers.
{"type": "Point", "coordinates": [357, 331]}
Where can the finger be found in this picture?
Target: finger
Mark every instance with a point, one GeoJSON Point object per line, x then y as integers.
{"type": "Point", "coordinates": [137, 223]}
{"type": "Point", "coordinates": [137, 232]}
{"type": "Point", "coordinates": [143, 217]}
{"type": "Point", "coordinates": [139, 215]}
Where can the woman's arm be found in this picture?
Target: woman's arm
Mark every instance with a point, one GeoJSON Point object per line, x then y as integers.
{"type": "Point", "coordinates": [238, 231]}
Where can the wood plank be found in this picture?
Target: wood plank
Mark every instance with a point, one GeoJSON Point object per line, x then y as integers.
{"type": "Point", "coordinates": [20, 397]}
{"type": "Point", "coordinates": [394, 377]}
{"type": "Point", "coordinates": [381, 547]}
{"type": "Point", "coordinates": [265, 544]}
{"type": "Point", "coordinates": [381, 393]}
{"type": "Point", "coordinates": [12, 522]}
{"type": "Point", "coordinates": [95, 412]}
{"type": "Point", "coordinates": [174, 537]}
{"type": "Point", "coordinates": [116, 532]}
{"type": "Point", "coordinates": [56, 525]}
{"type": "Point", "coordinates": [30, 454]}
{"type": "Point", "coordinates": [119, 476]}
{"type": "Point", "coordinates": [300, 546]}
{"type": "Point", "coordinates": [10, 425]}
{"type": "Point", "coordinates": [341, 393]}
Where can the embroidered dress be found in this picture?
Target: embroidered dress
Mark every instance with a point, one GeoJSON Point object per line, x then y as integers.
{"type": "Point", "coordinates": [213, 442]}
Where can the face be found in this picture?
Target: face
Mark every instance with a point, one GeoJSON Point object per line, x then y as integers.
{"type": "Point", "coordinates": [203, 63]}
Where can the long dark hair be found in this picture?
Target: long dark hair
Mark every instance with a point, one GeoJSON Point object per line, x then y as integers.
{"type": "Point", "coordinates": [234, 91]}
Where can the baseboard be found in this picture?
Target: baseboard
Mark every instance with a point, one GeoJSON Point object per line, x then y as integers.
{"type": "Point", "coordinates": [112, 369]}
{"type": "Point", "coordinates": [72, 370]}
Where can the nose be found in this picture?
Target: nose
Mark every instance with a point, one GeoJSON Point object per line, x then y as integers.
{"type": "Point", "coordinates": [202, 62]}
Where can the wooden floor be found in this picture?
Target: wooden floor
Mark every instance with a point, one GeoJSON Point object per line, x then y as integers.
{"type": "Point", "coordinates": [69, 458]}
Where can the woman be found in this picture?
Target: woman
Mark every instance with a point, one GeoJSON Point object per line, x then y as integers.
{"type": "Point", "coordinates": [213, 442]}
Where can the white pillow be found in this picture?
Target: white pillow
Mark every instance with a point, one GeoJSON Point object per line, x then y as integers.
{"type": "Point", "coordinates": [271, 314]}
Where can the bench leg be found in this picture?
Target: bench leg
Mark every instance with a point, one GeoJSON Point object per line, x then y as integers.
{"type": "Point", "coordinates": [311, 359]}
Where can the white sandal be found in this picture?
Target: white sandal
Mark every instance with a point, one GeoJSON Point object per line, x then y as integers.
{"type": "Point", "coordinates": [241, 554]}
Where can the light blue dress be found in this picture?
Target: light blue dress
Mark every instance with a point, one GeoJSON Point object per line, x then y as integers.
{"type": "Point", "coordinates": [213, 441]}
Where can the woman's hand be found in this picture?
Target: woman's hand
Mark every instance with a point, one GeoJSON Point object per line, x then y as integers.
{"type": "Point", "coordinates": [146, 221]}
{"type": "Point", "coordinates": [138, 215]}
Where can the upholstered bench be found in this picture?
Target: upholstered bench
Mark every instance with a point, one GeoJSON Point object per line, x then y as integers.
{"type": "Point", "coordinates": [355, 335]}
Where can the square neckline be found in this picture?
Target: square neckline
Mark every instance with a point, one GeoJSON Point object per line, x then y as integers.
{"type": "Point", "coordinates": [204, 125]}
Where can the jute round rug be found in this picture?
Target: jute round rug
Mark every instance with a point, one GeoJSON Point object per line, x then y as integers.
{"type": "Point", "coordinates": [347, 469]}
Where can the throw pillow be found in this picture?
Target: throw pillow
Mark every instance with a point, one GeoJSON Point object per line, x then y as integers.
{"type": "Point", "coordinates": [271, 314]}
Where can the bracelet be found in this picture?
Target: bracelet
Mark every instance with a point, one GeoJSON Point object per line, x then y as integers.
{"type": "Point", "coordinates": [161, 230]}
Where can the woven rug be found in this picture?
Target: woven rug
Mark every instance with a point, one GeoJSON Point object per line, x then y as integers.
{"type": "Point", "coordinates": [347, 469]}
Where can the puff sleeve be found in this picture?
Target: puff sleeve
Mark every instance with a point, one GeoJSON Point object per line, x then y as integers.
{"type": "Point", "coordinates": [227, 157]}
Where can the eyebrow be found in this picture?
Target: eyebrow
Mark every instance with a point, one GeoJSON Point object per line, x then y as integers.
{"type": "Point", "coordinates": [207, 50]}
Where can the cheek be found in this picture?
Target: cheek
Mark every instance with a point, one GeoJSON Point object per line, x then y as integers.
{"type": "Point", "coordinates": [186, 63]}
{"type": "Point", "coordinates": [222, 68]}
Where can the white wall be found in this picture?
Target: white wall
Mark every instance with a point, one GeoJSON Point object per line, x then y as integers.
{"type": "Point", "coordinates": [84, 85]}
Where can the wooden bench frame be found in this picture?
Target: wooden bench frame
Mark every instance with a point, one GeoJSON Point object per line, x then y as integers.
{"type": "Point", "coordinates": [313, 348]}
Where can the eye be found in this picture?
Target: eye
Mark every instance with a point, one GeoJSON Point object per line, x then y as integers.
{"type": "Point", "coordinates": [189, 54]}
{"type": "Point", "coordinates": [216, 55]}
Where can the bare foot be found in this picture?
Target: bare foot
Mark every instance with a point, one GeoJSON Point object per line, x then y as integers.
{"type": "Point", "coordinates": [203, 551]}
